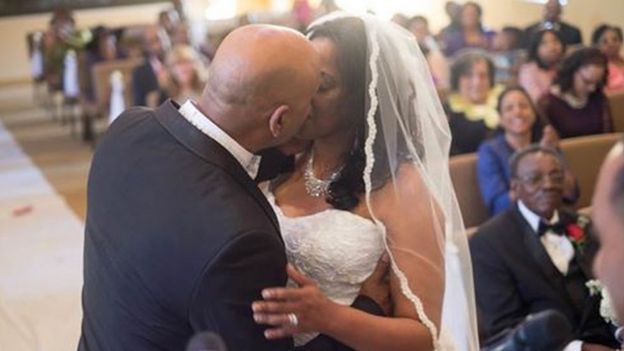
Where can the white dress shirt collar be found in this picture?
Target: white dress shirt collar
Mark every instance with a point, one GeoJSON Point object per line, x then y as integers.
{"type": "Point", "coordinates": [533, 218]}
{"type": "Point", "coordinates": [247, 160]}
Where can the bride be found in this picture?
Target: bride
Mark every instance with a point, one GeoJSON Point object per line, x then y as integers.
{"type": "Point", "coordinates": [374, 180]}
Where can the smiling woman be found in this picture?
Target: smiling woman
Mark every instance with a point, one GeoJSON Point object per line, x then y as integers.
{"type": "Point", "coordinates": [521, 127]}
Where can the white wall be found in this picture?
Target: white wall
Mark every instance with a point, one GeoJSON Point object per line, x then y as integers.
{"type": "Point", "coordinates": [497, 13]}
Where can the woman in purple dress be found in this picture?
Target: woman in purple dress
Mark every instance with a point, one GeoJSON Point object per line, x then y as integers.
{"type": "Point", "coordinates": [576, 104]}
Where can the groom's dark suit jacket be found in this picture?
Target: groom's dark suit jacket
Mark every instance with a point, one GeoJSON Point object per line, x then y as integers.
{"type": "Point", "coordinates": [514, 277]}
{"type": "Point", "coordinates": [178, 240]}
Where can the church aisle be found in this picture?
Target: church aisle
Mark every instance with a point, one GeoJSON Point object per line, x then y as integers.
{"type": "Point", "coordinates": [41, 237]}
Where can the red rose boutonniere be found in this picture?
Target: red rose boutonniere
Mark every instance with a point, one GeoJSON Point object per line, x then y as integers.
{"type": "Point", "coordinates": [577, 232]}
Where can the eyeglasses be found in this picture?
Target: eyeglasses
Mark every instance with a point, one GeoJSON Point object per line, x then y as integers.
{"type": "Point", "coordinates": [539, 179]}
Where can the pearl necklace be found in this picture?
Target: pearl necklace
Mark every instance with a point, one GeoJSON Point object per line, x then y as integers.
{"type": "Point", "coordinates": [317, 187]}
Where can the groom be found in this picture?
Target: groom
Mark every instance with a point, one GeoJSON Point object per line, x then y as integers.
{"type": "Point", "coordinates": [178, 237]}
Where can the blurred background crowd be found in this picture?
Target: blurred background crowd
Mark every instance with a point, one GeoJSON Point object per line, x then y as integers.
{"type": "Point", "coordinates": [502, 88]}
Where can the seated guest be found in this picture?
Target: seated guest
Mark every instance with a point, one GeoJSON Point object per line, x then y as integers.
{"type": "Point", "coordinates": [419, 27]}
{"type": "Point", "coordinates": [609, 40]}
{"type": "Point", "coordinates": [576, 104]}
{"type": "Point", "coordinates": [537, 256]}
{"type": "Point", "coordinates": [103, 47]}
{"type": "Point", "coordinates": [181, 35]}
{"type": "Point", "coordinates": [471, 106]}
{"type": "Point", "coordinates": [545, 53]}
{"type": "Point", "coordinates": [453, 12]}
{"type": "Point", "coordinates": [186, 79]}
{"type": "Point", "coordinates": [508, 54]}
{"type": "Point", "coordinates": [521, 127]}
{"type": "Point", "coordinates": [60, 36]}
{"type": "Point", "coordinates": [470, 34]}
{"type": "Point", "coordinates": [570, 34]}
{"type": "Point", "coordinates": [168, 20]}
{"type": "Point", "coordinates": [152, 74]}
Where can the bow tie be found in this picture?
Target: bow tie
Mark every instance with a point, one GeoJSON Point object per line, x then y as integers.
{"type": "Point", "coordinates": [556, 228]}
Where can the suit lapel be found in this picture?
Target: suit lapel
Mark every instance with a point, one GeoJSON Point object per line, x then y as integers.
{"type": "Point", "coordinates": [210, 151]}
{"type": "Point", "coordinates": [584, 259]}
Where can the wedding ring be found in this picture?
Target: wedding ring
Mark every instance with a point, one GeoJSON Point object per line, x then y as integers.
{"type": "Point", "coordinates": [293, 320]}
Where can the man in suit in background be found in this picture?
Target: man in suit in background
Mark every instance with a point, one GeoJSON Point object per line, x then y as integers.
{"type": "Point", "coordinates": [147, 77]}
{"type": "Point", "coordinates": [178, 237]}
{"type": "Point", "coordinates": [608, 215]}
{"type": "Point", "coordinates": [570, 34]}
{"type": "Point", "coordinates": [536, 256]}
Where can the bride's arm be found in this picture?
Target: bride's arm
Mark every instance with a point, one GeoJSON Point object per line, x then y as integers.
{"type": "Point", "coordinates": [414, 225]}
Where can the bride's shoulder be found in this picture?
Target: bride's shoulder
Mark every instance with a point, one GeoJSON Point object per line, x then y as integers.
{"type": "Point", "coordinates": [406, 185]}
{"type": "Point", "coordinates": [408, 176]}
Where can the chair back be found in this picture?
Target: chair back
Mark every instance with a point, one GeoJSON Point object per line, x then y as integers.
{"type": "Point", "coordinates": [584, 156]}
{"type": "Point", "coordinates": [616, 104]}
{"type": "Point", "coordinates": [463, 169]}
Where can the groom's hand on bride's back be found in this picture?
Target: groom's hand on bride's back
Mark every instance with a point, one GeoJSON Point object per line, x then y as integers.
{"type": "Point", "coordinates": [377, 285]}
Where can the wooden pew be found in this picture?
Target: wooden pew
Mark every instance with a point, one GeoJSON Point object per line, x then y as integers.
{"type": "Point", "coordinates": [101, 73]}
{"type": "Point", "coordinates": [463, 169]}
{"type": "Point", "coordinates": [616, 104]}
{"type": "Point", "coordinates": [584, 156]}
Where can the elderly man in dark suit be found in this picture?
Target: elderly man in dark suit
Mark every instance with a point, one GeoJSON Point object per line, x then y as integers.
{"type": "Point", "coordinates": [178, 237]}
{"type": "Point", "coordinates": [570, 34]}
{"type": "Point", "coordinates": [537, 256]}
{"type": "Point", "coordinates": [608, 215]}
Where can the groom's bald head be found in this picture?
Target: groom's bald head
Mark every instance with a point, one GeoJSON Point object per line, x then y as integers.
{"type": "Point", "coordinates": [257, 69]}
{"type": "Point", "coordinates": [255, 58]}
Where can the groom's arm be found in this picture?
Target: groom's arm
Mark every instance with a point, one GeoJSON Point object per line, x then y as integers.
{"type": "Point", "coordinates": [368, 305]}
{"type": "Point", "coordinates": [231, 282]}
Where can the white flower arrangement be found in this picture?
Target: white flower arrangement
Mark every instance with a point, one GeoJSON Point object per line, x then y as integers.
{"type": "Point", "coordinates": [606, 307]}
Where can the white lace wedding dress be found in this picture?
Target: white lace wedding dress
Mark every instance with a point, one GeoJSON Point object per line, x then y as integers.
{"type": "Point", "coordinates": [335, 248]}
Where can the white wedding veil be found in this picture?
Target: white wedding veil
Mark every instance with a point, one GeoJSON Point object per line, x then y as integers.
{"type": "Point", "coordinates": [407, 146]}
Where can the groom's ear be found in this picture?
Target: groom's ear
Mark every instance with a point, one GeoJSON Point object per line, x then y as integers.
{"type": "Point", "coordinates": [277, 120]}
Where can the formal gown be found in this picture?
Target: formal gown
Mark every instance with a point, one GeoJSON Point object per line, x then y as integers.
{"type": "Point", "coordinates": [337, 249]}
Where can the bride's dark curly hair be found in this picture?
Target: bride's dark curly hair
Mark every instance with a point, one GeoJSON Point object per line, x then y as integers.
{"type": "Point", "coordinates": [349, 36]}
